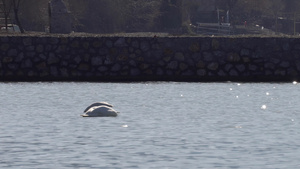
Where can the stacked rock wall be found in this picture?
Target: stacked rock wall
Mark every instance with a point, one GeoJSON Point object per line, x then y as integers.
{"type": "Point", "coordinates": [63, 58]}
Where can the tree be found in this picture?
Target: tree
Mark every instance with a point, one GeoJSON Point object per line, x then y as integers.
{"type": "Point", "coordinates": [107, 16]}
{"type": "Point", "coordinates": [16, 5]}
{"type": "Point", "coordinates": [6, 10]}
{"type": "Point", "coordinates": [142, 15]}
{"type": "Point", "coordinates": [291, 5]}
{"type": "Point", "coordinates": [226, 4]}
{"type": "Point", "coordinates": [171, 14]}
{"type": "Point", "coordinates": [9, 6]}
{"type": "Point", "coordinates": [78, 9]}
{"type": "Point", "coordinates": [97, 16]}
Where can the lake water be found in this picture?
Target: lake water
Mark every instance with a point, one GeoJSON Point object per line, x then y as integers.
{"type": "Point", "coordinates": [161, 125]}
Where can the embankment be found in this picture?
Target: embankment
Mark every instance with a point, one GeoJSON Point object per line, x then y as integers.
{"type": "Point", "coordinates": [98, 58]}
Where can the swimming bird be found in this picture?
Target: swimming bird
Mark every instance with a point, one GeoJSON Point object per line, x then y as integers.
{"type": "Point", "coordinates": [98, 104]}
{"type": "Point", "coordinates": [100, 109]}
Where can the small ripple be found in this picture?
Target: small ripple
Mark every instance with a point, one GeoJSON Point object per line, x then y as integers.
{"type": "Point", "coordinates": [264, 107]}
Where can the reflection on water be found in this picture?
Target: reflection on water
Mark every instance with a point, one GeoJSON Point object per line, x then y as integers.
{"type": "Point", "coordinates": [161, 125]}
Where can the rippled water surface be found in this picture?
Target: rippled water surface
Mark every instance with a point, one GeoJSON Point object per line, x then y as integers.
{"type": "Point", "coordinates": [161, 125]}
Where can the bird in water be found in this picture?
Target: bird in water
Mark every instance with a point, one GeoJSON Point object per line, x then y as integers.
{"type": "Point", "coordinates": [98, 104]}
{"type": "Point", "coordinates": [100, 109]}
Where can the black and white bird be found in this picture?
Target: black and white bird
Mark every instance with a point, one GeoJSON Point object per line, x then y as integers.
{"type": "Point", "coordinates": [100, 109]}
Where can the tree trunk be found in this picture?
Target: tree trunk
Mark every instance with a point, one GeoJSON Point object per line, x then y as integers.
{"type": "Point", "coordinates": [16, 12]}
{"type": "Point", "coordinates": [6, 11]}
{"type": "Point", "coordinates": [18, 21]}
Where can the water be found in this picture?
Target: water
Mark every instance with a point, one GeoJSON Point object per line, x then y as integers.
{"type": "Point", "coordinates": [161, 125]}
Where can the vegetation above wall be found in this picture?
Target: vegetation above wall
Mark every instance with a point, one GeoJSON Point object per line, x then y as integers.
{"type": "Point", "coordinates": [107, 16]}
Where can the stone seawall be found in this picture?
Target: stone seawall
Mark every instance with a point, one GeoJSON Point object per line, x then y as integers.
{"type": "Point", "coordinates": [63, 58]}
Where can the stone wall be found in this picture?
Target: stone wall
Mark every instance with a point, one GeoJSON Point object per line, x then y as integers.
{"type": "Point", "coordinates": [66, 58]}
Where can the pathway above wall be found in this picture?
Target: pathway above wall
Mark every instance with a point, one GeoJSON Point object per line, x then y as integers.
{"type": "Point", "coordinates": [64, 58]}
